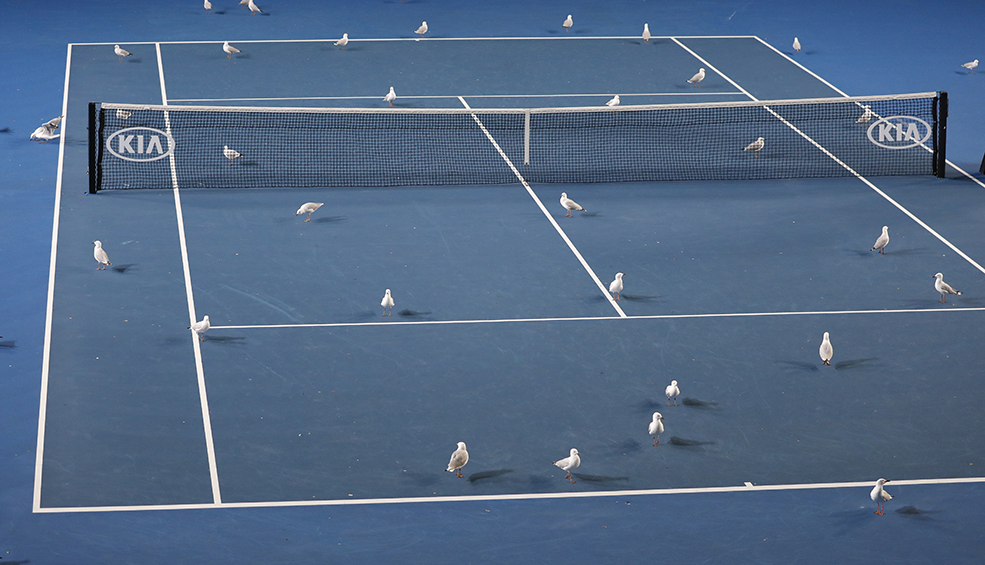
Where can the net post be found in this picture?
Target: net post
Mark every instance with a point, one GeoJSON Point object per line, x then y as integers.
{"type": "Point", "coordinates": [93, 181]}
{"type": "Point", "coordinates": [940, 135]}
{"type": "Point", "coordinates": [526, 137]}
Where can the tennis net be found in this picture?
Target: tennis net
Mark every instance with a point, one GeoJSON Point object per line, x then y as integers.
{"type": "Point", "coordinates": [140, 146]}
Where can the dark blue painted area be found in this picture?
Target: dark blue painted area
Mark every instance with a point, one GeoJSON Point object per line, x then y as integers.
{"type": "Point", "coordinates": [862, 48]}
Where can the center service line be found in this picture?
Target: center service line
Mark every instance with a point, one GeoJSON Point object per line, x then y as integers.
{"type": "Point", "coordinates": [543, 209]}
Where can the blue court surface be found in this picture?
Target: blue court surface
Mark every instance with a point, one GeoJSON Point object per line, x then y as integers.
{"type": "Point", "coordinates": [306, 426]}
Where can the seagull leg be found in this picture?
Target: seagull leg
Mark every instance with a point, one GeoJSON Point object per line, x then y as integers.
{"type": "Point", "coordinates": [309, 217]}
{"type": "Point", "coordinates": [459, 473]}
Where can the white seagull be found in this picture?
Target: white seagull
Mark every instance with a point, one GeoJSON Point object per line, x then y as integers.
{"type": "Point", "coordinates": [570, 205]}
{"type": "Point", "coordinates": [243, 3]}
{"type": "Point", "coordinates": [613, 102]}
{"type": "Point", "coordinates": [390, 97]}
{"type": "Point", "coordinates": [230, 153]}
{"type": "Point", "coordinates": [570, 462]}
{"type": "Point", "coordinates": [755, 146]}
{"type": "Point", "coordinates": [796, 45]}
{"type": "Point", "coordinates": [866, 116]}
{"type": "Point", "coordinates": [458, 459]}
{"type": "Point", "coordinates": [229, 49]}
{"type": "Point", "coordinates": [121, 53]}
{"type": "Point", "coordinates": [880, 496]}
{"type": "Point", "coordinates": [883, 241]}
{"type": "Point", "coordinates": [254, 8]}
{"type": "Point", "coordinates": [46, 132]}
{"type": "Point", "coordinates": [100, 255]}
{"type": "Point", "coordinates": [615, 287]}
{"type": "Point", "coordinates": [568, 23]}
{"type": "Point", "coordinates": [123, 114]}
{"type": "Point", "coordinates": [423, 29]}
{"type": "Point", "coordinates": [826, 351]}
{"type": "Point", "coordinates": [971, 66]}
{"type": "Point", "coordinates": [200, 327]}
{"type": "Point", "coordinates": [309, 207]}
{"type": "Point", "coordinates": [646, 33]}
{"type": "Point", "coordinates": [656, 428]}
{"type": "Point", "coordinates": [672, 391]}
{"type": "Point", "coordinates": [208, 7]}
{"type": "Point", "coordinates": [387, 304]}
{"type": "Point", "coordinates": [343, 42]}
{"type": "Point", "coordinates": [697, 78]}
{"type": "Point", "coordinates": [944, 288]}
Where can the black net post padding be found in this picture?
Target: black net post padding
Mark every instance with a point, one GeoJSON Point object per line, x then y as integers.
{"type": "Point", "coordinates": [940, 135]}
{"type": "Point", "coordinates": [93, 141]}
{"type": "Point", "coordinates": [982, 168]}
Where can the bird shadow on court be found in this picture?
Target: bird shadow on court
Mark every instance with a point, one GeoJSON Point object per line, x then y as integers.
{"type": "Point", "coordinates": [598, 478]}
{"type": "Point", "coordinates": [916, 513]}
{"type": "Point", "coordinates": [6, 130]}
{"type": "Point", "coordinates": [329, 219]}
{"type": "Point", "coordinates": [678, 441]}
{"type": "Point", "coordinates": [589, 214]}
{"type": "Point", "coordinates": [620, 448]}
{"type": "Point", "coordinates": [413, 314]}
{"type": "Point", "coordinates": [225, 338]}
{"type": "Point", "coordinates": [963, 73]}
{"type": "Point", "coordinates": [244, 56]}
{"type": "Point", "coordinates": [650, 405]}
{"type": "Point", "coordinates": [8, 344]}
{"type": "Point", "coordinates": [800, 365]}
{"type": "Point", "coordinates": [486, 475]}
{"type": "Point", "coordinates": [639, 298]}
{"type": "Point", "coordinates": [926, 303]}
{"type": "Point", "coordinates": [134, 60]}
{"type": "Point", "coordinates": [124, 268]}
{"type": "Point", "coordinates": [698, 403]}
{"type": "Point", "coordinates": [855, 363]}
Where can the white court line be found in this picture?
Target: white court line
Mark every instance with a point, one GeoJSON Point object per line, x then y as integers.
{"type": "Point", "coordinates": [456, 96]}
{"type": "Point", "coordinates": [189, 293]}
{"type": "Point", "coordinates": [840, 162]}
{"type": "Point", "coordinates": [543, 209]}
{"type": "Point", "coordinates": [839, 91]}
{"type": "Point", "coordinates": [372, 39]}
{"type": "Point", "coordinates": [531, 496]}
{"type": "Point", "coordinates": [49, 307]}
{"type": "Point", "coordinates": [594, 318]}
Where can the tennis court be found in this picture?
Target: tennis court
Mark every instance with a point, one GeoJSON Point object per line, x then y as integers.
{"type": "Point", "coordinates": [503, 335]}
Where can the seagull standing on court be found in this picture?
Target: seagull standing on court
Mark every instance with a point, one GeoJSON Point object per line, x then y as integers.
{"type": "Point", "coordinates": [567, 24]}
{"type": "Point", "coordinates": [880, 496]}
{"type": "Point", "coordinates": [971, 66]}
{"type": "Point", "coordinates": [121, 53]}
{"type": "Point", "coordinates": [343, 42]}
{"type": "Point", "coordinates": [458, 459]}
{"type": "Point", "coordinates": [46, 132]}
{"type": "Point", "coordinates": [208, 7]}
{"type": "Point", "coordinates": [243, 3]}
{"type": "Point", "coordinates": [883, 241]}
{"type": "Point", "coordinates": [866, 116]}
{"type": "Point", "coordinates": [229, 49]}
{"type": "Point", "coordinates": [122, 114]}
{"type": "Point", "coordinates": [390, 97]}
{"type": "Point", "coordinates": [826, 351]}
{"type": "Point", "coordinates": [646, 33]}
{"type": "Point", "coordinates": [656, 428]}
{"type": "Point", "coordinates": [755, 146]}
{"type": "Point", "coordinates": [796, 45]}
{"type": "Point", "coordinates": [254, 9]}
{"type": "Point", "coordinates": [100, 255]}
{"type": "Point", "coordinates": [423, 29]}
{"type": "Point", "coordinates": [572, 461]}
{"type": "Point", "coordinates": [230, 153]}
{"type": "Point", "coordinates": [613, 102]}
{"type": "Point", "coordinates": [615, 287]}
{"type": "Point", "coordinates": [570, 205]}
{"type": "Point", "coordinates": [944, 288]}
{"type": "Point", "coordinates": [697, 78]}
{"type": "Point", "coordinates": [200, 327]}
{"type": "Point", "coordinates": [387, 304]}
{"type": "Point", "coordinates": [672, 391]}
{"type": "Point", "coordinates": [308, 207]}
